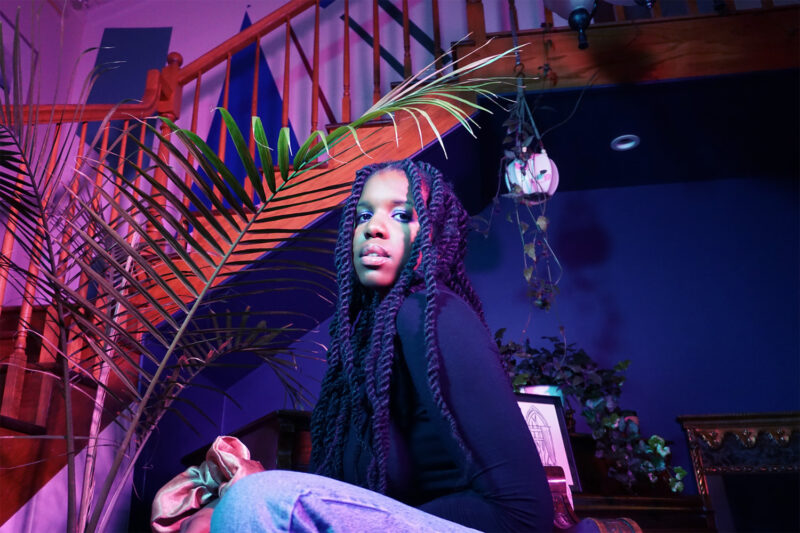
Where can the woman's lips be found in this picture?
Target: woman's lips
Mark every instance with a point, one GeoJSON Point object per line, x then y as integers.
{"type": "Point", "coordinates": [373, 255]}
{"type": "Point", "coordinates": [373, 260]}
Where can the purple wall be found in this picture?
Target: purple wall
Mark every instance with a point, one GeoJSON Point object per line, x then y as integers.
{"type": "Point", "coordinates": [696, 284]}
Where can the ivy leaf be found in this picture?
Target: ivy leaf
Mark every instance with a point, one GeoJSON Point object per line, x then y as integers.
{"type": "Point", "coordinates": [530, 250]}
{"type": "Point", "coordinates": [622, 366]}
{"type": "Point", "coordinates": [528, 272]}
{"type": "Point", "coordinates": [675, 486]}
{"type": "Point", "coordinates": [520, 380]}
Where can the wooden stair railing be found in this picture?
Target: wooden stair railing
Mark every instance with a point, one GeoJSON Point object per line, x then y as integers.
{"type": "Point", "coordinates": [15, 361]}
{"type": "Point", "coordinates": [164, 96]}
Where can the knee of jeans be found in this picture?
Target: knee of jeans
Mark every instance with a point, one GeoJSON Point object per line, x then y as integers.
{"type": "Point", "coordinates": [252, 496]}
{"type": "Point", "coordinates": [271, 485]}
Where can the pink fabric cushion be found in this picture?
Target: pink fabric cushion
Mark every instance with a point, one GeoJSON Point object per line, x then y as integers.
{"type": "Point", "coordinates": [180, 505]}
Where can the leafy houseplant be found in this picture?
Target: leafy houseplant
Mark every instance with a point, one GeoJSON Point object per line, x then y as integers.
{"type": "Point", "coordinates": [596, 392]}
{"type": "Point", "coordinates": [155, 267]}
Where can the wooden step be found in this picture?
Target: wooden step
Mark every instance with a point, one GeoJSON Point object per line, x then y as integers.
{"type": "Point", "coordinates": [27, 463]}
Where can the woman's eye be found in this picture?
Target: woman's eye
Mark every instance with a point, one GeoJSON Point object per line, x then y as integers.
{"type": "Point", "coordinates": [363, 217]}
{"type": "Point", "coordinates": [402, 216]}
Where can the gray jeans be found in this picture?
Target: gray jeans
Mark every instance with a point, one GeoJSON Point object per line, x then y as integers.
{"type": "Point", "coordinates": [281, 500]}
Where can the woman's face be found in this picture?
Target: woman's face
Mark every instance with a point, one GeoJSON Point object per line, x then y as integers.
{"type": "Point", "coordinates": [386, 225]}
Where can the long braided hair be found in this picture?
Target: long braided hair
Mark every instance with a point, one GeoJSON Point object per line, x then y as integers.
{"type": "Point", "coordinates": [355, 389]}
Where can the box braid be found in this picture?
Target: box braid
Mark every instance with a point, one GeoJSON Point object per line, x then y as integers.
{"type": "Point", "coordinates": [355, 390]}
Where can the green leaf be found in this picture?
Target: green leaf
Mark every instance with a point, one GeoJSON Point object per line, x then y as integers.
{"type": "Point", "coordinates": [521, 380]}
{"type": "Point", "coordinates": [527, 273]}
{"type": "Point", "coordinates": [244, 153]}
{"type": "Point", "coordinates": [263, 150]}
{"type": "Point", "coordinates": [226, 174]}
{"type": "Point", "coordinates": [300, 159]}
{"type": "Point", "coordinates": [283, 153]}
{"type": "Point", "coordinates": [530, 250]}
{"type": "Point", "coordinates": [622, 366]}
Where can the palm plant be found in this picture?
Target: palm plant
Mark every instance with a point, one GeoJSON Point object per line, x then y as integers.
{"type": "Point", "coordinates": [134, 271]}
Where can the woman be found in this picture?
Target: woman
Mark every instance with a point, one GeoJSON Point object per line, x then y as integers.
{"type": "Point", "coordinates": [415, 406]}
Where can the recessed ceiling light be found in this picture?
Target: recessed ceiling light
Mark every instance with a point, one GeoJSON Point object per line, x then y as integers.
{"type": "Point", "coordinates": [625, 142]}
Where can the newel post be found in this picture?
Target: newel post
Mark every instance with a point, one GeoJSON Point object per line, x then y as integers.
{"type": "Point", "coordinates": [168, 106]}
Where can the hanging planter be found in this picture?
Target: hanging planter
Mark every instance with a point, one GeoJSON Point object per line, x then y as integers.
{"type": "Point", "coordinates": [535, 179]}
{"type": "Point", "coordinates": [531, 179]}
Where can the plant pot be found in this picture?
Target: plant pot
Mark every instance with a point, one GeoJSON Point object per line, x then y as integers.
{"type": "Point", "coordinates": [536, 178]}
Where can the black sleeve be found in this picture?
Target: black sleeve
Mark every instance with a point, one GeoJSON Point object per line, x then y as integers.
{"type": "Point", "coordinates": [507, 486]}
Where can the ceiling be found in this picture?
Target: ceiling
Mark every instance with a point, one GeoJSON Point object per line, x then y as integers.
{"type": "Point", "coordinates": [738, 126]}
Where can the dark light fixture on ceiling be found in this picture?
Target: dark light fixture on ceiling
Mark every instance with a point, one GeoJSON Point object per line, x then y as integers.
{"type": "Point", "coordinates": [579, 13]}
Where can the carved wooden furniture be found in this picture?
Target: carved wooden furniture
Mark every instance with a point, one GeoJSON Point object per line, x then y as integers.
{"type": "Point", "coordinates": [747, 468]}
{"type": "Point", "coordinates": [280, 439]}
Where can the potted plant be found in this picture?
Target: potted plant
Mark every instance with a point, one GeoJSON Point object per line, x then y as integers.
{"type": "Point", "coordinates": [595, 392]}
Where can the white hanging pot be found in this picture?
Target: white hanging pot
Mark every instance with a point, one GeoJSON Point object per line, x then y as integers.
{"type": "Point", "coordinates": [537, 178]}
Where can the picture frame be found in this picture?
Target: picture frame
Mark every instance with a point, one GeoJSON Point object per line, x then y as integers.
{"type": "Point", "coordinates": [544, 416]}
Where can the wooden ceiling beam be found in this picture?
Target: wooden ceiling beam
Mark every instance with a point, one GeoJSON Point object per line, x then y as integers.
{"type": "Point", "coordinates": [652, 49]}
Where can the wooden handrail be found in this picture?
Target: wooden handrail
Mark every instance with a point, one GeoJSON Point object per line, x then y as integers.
{"type": "Point", "coordinates": [242, 39]}
{"type": "Point", "coordinates": [64, 113]}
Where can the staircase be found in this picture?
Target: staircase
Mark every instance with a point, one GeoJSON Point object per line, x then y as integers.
{"type": "Point", "coordinates": [33, 396]}
{"type": "Point", "coordinates": [33, 400]}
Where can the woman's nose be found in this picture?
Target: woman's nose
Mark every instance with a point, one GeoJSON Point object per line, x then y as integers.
{"type": "Point", "coordinates": [375, 228]}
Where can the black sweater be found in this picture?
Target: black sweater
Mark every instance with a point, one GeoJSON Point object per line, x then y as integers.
{"type": "Point", "coordinates": [504, 487]}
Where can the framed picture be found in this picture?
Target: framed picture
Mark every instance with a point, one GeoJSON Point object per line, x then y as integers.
{"type": "Point", "coordinates": [544, 416]}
